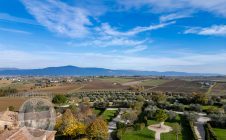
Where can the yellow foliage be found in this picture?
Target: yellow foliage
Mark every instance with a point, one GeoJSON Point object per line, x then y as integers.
{"type": "Point", "coordinates": [98, 129]}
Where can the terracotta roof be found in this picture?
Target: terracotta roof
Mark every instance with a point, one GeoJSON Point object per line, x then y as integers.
{"type": "Point", "coordinates": [27, 134]}
{"type": "Point", "coordinates": [9, 116]}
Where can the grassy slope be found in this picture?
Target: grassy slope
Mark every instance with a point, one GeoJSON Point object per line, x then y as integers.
{"type": "Point", "coordinates": [221, 133]}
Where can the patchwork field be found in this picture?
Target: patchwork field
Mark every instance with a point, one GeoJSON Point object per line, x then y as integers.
{"type": "Point", "coordinates": [153, 82]}
{"type": "Point", "coordinates": [219, 88]}
{"type": "Point", "coordinates": [99, 84]}
{"type": "Point", "coordinates": [60, 88]}
{"type": "Point", "coordinates": [119, 80]}
{"type": "Point", "coordinates": [181, 86]}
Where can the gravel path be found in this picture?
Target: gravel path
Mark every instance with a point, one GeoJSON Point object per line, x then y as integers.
{"type": "Point", "coordinates": [199, 128]}
{"type": "Point", "coordinates": [112, 125]}
{"type": "Point", "coordinates": [158, 130]}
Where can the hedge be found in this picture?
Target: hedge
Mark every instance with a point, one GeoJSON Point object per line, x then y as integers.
{"type": "Point", "coordinates": [191, 126]}
{"type": "Point", "coordinates": [209, 133]}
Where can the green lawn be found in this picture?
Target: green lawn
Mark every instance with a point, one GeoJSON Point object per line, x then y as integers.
{"type": "Point", "coordinates": [208, 106]}
{"type": "Point", "coordinates": [108, 114]}
{"type": "Point", "coordinates": [153, 82]}
{"type": "Point", "coordinates": [144, 134]}
{"type": "Point", "coordinates": [97, 111]}
{"type": "Point", "coordinates": [220, 133]}
{"type": "Point", "coordinates": [171, 135]}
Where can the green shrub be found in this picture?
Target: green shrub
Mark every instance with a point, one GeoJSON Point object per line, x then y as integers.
{"type": "Point", "coordinates": [209, 133]}
{"type": "Point", "coordinates": [59, 99]}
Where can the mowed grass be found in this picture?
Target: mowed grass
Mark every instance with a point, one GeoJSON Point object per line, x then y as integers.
{"type": "Point", "coordinates": [220, 133]}
{"type": "Point", "coordinates": [171, 135]}
{"type": "Point", "coordinates": [153, 82]}
{"type": "Point", "coordinates": [144, 134]}
{"type": "Point", "coordinates": [108, 115]}
{"type": "Point", "coordinates": [97, 111]}
{"type": "Point", "coordinates": [208, 106]}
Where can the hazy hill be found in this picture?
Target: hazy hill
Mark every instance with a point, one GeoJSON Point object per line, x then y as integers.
{"type": "Point", "coordinates": [79, 71]}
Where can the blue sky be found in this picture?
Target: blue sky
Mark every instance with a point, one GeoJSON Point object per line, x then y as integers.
{"type": "Point", "coordinates": [160, 35]}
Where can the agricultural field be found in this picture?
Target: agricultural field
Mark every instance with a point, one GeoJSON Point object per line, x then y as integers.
{"type": "Point", "coordinates": [5, 83]}
{"type": "Point", "coordinates": [16, 102]}
{"type": "Point", "coordinates": [60, 88]}
{"type": "Point", "coordinates": [181, 86]}
{"type": "Point", "coordinates": [120, 80]}
{"type": "Point", "coordinates": [153, 82]}
{"type": "Point", "coordinates": [99, 84]}
{"type": "Point", "coordinates": [219, 89]}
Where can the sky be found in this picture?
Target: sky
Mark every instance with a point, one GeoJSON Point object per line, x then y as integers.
{"type": "Point", "coordinates": [153, 35]}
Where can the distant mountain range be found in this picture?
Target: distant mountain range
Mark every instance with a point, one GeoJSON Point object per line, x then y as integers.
{"type": "Point", "coordinates": [79, 71]}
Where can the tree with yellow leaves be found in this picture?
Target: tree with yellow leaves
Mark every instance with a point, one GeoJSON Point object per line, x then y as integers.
{"type": "Point", "coordinates": [69, 126]}
{"type": "Point", "coordinates": [98, 130]}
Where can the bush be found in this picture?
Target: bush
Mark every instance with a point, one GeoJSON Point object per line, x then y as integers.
{"type": "Point", "coordinates": [59, 99]}
{"type": "Point", "coordinates": [191, 125]}
{"type": "Point", "coordinates": [209, 133]}
{"type": "Point", "coordinates": [172, 115]}
{"type": "Point", "coordinates": [120, 125]}
{"type": "Point", "coordinates": [11, 108]}
{"type": "Point", "coordinates": [196, 107]}
{"type": "Point", "coordinates": [139, 126]}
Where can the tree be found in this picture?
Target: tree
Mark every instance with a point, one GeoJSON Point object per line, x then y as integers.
{"type": "Point", "coordinates": [177, 129]}
{"type": "Point", "coordinates": [136, 88]}
{"type": "Point", "coordinates": [129, 116]}
{"type": "Point", "coordinates": [201, 98]}
{"type": "Point", "coordinates": [11, 108]}
{"type": "Point", "coordinates": [98, 130]}
{"type": "Point", "coordinates": [161, 116]}
{"type": "Point", "coordinates": [59, 99]}
{"type": "Point", "coordinates": [67, 125]}
{"type": "Point", "coordinates": [159, 98]}
{"type": "Point", "coordinates": [140, 98]}
{"type": "Point", "coordinates": [121, 132]}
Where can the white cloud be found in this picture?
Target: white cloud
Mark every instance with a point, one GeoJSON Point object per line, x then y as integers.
{"type": "Point", "coordinates": [109, 41]}
{"type": "Point", "coordinates": [211, 63]}
{"type": "Point", "coordinates": [215, 6]}
{"type": "Point", "coordinates": [136, 49]}
{"type": "Point", "coordinates": [174, 16]}
{"type": "Point", "coordinates": [7, 17]}
{"type": "Point", "coordinates": [215, 30]}
{"type": "Point", "coordinates": [14, 31]}
{"type": "Point", "coordinates": [59, 17]}
{"type": "Point", "coordinates": [107, 29]}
